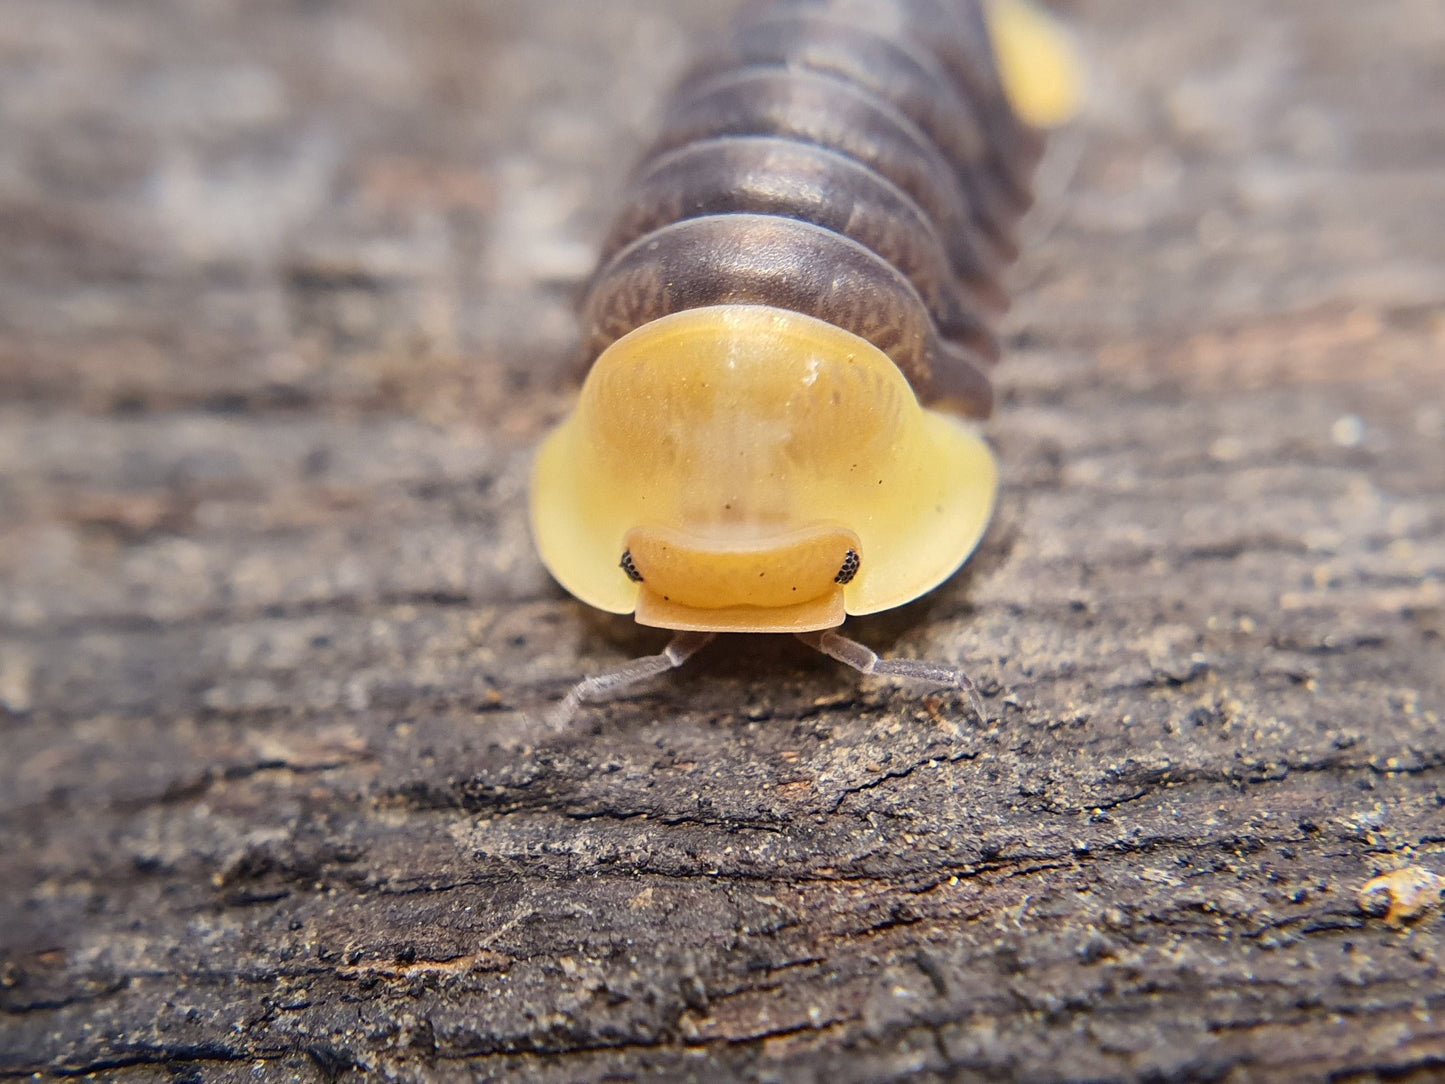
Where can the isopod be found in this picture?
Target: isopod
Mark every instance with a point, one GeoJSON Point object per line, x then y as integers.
{"type": "Point", "coordinates": [791, 331]}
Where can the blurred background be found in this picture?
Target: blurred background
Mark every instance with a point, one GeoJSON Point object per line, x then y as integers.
{"type": "Point", "coordinates": [285, 302]}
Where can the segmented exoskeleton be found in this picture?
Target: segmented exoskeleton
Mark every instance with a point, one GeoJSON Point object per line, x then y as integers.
{"type": "Point", "coordinates": [793, 325]}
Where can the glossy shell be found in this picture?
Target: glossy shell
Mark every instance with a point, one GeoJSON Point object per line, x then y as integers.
{"type": "Point", "coordinates": [793, 319]}
{"type": "Point", "coordinates": [748, 429]}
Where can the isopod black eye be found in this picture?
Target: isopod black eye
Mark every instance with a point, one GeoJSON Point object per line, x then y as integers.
{"type": "Point", "coordinates": [849, 569]}
{"type": "Point", "coordinates": [631, 569]}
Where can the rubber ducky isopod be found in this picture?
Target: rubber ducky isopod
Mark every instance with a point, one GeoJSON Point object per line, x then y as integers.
{"type": "Point", "coordinates": [791, 331]}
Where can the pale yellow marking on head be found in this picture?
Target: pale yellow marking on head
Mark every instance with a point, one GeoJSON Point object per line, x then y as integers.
{"type": "Point", "coordinates": [824, 612]}
{"type": "Point", "coordinates": [739, 439]}
{"type": "Point", "coordinates": [729, 583]}
{"type": "Point", "coordinates": [769, 571]}
{"type": "Point", "coordinates": [1040, 67]}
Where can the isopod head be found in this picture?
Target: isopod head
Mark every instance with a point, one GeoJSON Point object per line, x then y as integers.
{"type": "Point", "coordinates": [742, 468]}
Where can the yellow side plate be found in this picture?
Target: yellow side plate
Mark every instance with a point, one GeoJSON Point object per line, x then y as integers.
{"type": "Point", "coordinates": [1037, 61]}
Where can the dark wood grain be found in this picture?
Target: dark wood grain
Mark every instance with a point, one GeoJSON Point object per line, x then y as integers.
{"type": "Point", "coordinates": [284, 295]}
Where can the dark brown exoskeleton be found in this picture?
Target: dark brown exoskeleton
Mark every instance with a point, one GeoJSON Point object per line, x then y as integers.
{"type": "Point", "coordinates": [854, 160]}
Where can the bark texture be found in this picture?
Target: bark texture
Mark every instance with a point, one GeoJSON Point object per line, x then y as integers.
{"type": "Point", "coordinates": [285, 295]}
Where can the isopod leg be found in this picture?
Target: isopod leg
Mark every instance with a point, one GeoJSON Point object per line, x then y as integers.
{"type": "Point", "coordinates": [866, 661]}
{"type": "Point", "coordinates": [616, 683]}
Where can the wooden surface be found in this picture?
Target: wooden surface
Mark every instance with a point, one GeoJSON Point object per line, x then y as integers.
{"type": "Point", "coordinates": [284, 292]}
